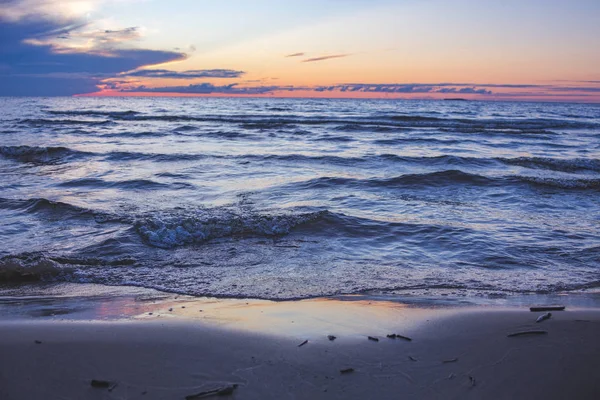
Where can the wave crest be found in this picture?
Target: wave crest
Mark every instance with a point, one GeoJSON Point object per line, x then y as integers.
{"type": "Point", "coordinates": [171, 231]}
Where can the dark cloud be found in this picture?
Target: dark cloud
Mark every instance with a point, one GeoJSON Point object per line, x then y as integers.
{"type": "Point", "coordinates": [323, 58]}
{"type": "Point", "coordinates": [202, 73]}
{"type": "Point", "coordinates": [406, 88]}
{"type": "Point", "coordinates": [32, 63]}
{"type": "Point", "coordinates": [209, 88]}
{"type": "Point", "coordinates": [295, 55]}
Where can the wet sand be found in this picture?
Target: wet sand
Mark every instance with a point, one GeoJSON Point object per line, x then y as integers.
{"type": "Point", "coordinates": [169, 349]}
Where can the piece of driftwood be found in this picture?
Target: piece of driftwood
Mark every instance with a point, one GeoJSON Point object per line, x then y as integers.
{"type": "Point", "coordinates": [331, 337]}
{"type": "Point", "coordinates": [524, 333]}
{"type": "Point", "coordinates": [346, 370]}
{"type": "Point", "coordinates": [374, 339]}
{"type": "Point", "coordinates": [450, 360]}
{"type": "Point", "coordinates": [303, 343]}
{"type": "Point", "coordinates": [547, 308]}
{"type": "Point", "coordinates": [543, 317]}
{"type": "Point", "coordinates": [224, 391]}
{"type": "Point", "coordinates": [396, 336]}
{"type": "Point", "coordinates": [97, 383]}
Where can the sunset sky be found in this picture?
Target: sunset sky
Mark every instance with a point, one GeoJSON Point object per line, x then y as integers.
{"type": "Point", "coordinates": [501, 50]}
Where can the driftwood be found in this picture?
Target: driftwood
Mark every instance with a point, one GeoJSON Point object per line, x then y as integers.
{"type": "Point", "coordinates": [100, 384]}
{"type": "Point", "coordinates": [396, 336]}
{"type": "Point", "coordinates": [331, 337]}
{"type": "Point", "coordinates": [346, 370]}
{"type": "Point", "coordinates": [303, 343]}
{"type": "Point", "coordinates": [224, 391]}
{"type": "Point", "coordinates": [523, 333]}
{"type": "Point", "coordinates": [373, 338]}
{"type": "Point", "coordinates": [543, 317]}
{"type": "Point", "coordinates": [450, 360]}
{"type": "Point", "coordinates": [411, 358]}
{"type": "Point", "coordinates": [547, 308]}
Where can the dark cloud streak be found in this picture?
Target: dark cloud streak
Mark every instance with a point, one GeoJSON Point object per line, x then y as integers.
{"type": "Point", "coordinates": [203, 73]}
{"type": "Point", "coordinates": [323, 58]}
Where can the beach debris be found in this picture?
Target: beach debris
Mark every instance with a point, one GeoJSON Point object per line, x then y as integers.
{"type": "Point", "coordinates": [182, 306]}
{"type": "Point", "coordinates": [224, 391]}
{"type": "Point", "coordinates": [547, 308]}
{"type": "Point", "coordinates": [37, 341]}
{"type": "Point", "coordinates": [303, 343]}
{"type": "Point", "coordinates": [396, 336]}
{"type": "Point", "coordinates": [543, 317]}
{"type": "Point", "coordinates": [411, 358]}
{"type": "Point", "coordinates": [100, 384]}
{"type": "Point", "coordinates": [170, 309]}
{"type": "Point", "coordinates": [346, 370]}
{"type": "Point", "coordinates": [472, 380]}
{"type": "Point", "coordinates": [452, 360]}
{"type": "Point", "coordinates": [374, 339]}
{"type": "Point", "coordinates": [150, 313]}
{"type": "Point", "coordinates": [523, 333]}
{"type": "Point", "coordinates": [331, 337]}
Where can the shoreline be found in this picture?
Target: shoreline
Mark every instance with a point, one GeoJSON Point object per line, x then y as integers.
{"type": "Point", "coordinates": [150, 345]}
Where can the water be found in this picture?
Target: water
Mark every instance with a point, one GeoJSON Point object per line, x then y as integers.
{"type": "Point", "coordinates": [293, 198]}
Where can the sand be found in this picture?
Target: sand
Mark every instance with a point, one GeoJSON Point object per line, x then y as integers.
{"type": "Point", "coordinates": [456, 353]}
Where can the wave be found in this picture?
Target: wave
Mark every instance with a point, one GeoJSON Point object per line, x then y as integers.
{"type": "Point", "coordinates": [156, 157]}
{"type": "Point", "coordinates": [27, 267]}
{"type": "Point", "coordinates": [40, 154]}
{"type": "Point", "coordinates": [262, 122]}
{"type": "Point", "coordinates": [440, 178]}
{"type": "Point", "coordinates": [446, 178]}
{"type": "Point", "coordinates": [555, 164]}
{"type": "Point", "coordinates": [559, 183]}
{"type": "Point", "coordinates": [173, 230]}
{"type": "Point", "coordinates": [94, 113]}
{"type": "Point", "coordinates": [130, 184]}
{"type": "Point", "coordinates": [57, 209]}
{"type": "Point", "coordinates": [44, 122]}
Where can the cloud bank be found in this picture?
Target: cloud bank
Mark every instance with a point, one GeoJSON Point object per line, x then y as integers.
{"type": "Point", "coordinates": [44, 56]}
{"type": "Point", "coordinates": [202, 73]}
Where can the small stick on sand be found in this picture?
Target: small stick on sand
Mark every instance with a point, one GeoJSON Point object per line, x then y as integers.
{"type": "Point", "coordinates": [523, 333]}
{"type": "Point", "coordinates": [224, 391]}
{"type": "Point", "coordinates": [373, 338]}
{"type": "Point", "coordinates": [396, 336]}
{"type": "Point", "coordinates": [100, 384]}
{"type": "Point", "coordinates": [543, 317]}
{"type": "Point", "coordinates": [346, 370]}
{"type": "Point", "coordinates": [331, 337]}
{"type": "Point", "coordinates": [303, 343]}
{"type": "Point", "coordinates": [450, 361]}
{"type": "Point", "coordinates": [547, 308]}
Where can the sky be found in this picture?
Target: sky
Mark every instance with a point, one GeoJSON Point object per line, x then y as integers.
{"type": "Point", "coordinates": [546, 50]}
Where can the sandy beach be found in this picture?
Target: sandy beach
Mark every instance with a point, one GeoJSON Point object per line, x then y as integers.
{"type": "Point", "coordinates": [170, 348]}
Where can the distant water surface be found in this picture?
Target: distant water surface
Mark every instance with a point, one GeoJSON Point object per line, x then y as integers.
{"type": "Point", "coordinates": [293, 198]}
